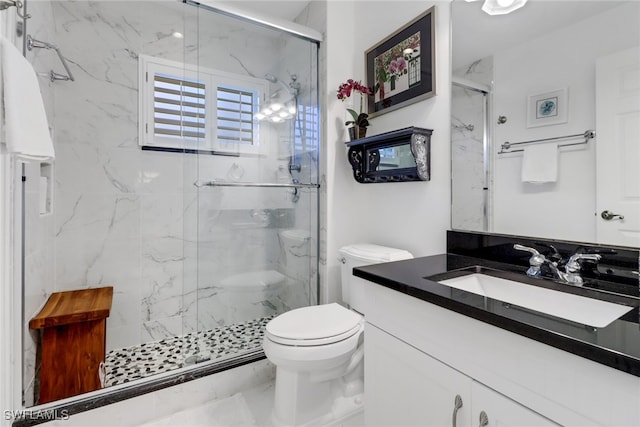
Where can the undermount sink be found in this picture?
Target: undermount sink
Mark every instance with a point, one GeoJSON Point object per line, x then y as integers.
{"type": "Point", "coordinates": [588, 311]}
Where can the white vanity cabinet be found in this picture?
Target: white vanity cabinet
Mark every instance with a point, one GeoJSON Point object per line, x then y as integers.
{"type": "Point", "coordinates": [419, 356]}
{"type": "Point", "coordinates": [407, 387]}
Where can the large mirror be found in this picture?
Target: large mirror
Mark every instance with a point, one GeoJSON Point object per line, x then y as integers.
{"type": "Point", "coordinates": [539, 78]}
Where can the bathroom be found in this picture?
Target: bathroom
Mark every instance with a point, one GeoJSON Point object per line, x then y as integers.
{"type": "Point", "coordinates": [412, 215]}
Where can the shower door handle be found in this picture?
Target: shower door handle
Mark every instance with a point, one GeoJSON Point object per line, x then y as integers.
{"type": "Point", "coordinates": [254, 184]}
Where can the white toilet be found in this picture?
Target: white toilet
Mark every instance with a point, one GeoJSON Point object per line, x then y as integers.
{"type": "Point", "coordinates": [318, 350]}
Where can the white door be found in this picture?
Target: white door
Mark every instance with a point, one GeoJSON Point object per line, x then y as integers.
{"type": "Point", "coordinates": [405, 387]}
{"type": "Point", "coordinates": [618, 148]}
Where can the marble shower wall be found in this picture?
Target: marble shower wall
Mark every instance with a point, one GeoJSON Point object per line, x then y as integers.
{"type": "Point", "coordinates": [133, 219]}
{"type": "Point", "coordinates": [467, 127]}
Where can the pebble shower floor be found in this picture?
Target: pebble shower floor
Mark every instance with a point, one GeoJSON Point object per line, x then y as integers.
{"type": "Point", "coordinates": [140, 361]}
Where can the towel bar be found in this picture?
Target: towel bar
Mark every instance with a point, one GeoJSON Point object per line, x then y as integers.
{"type": "Point", "coordinates": [587, 135]}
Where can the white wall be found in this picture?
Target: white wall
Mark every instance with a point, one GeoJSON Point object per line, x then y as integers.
{"type": "Point", "coordinates": [563, 59]}
{"type": "Point", "coordinates": [411, 215]}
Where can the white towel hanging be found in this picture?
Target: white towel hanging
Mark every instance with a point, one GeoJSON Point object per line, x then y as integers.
{"type": "Point", "coordinates": [26, 131]}
{"type": "Point", "coordinates": [540, 163]}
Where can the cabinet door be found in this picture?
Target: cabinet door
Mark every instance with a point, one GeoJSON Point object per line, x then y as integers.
{"type": "Point", "coordinates": [405, 387]}
{"type": "Point", "coordinates": [499, 410]}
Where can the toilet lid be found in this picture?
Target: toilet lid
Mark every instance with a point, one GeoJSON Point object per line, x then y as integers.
{"type": "Point", "coordinates": [314, 325]}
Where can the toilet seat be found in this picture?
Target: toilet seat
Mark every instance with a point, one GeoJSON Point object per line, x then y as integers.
{"type": "Point", "coordinates": [314, 326]}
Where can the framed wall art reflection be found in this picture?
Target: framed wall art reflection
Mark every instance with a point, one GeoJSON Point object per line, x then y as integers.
{"type": "Point", "coordinates": [549, 108]}
{"type": "Point", "coordinates": [401, 68]}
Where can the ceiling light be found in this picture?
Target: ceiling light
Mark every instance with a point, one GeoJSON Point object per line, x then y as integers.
{"type": "Point", "coordinates": [276, 106]}
{"type": "Point", "coordinates": [502, 7]}
{"type": "Point", "coordinates": [177, 35]}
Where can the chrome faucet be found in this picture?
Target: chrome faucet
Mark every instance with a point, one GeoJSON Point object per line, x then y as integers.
{"type": "Point", "coordinates": [572, 269]}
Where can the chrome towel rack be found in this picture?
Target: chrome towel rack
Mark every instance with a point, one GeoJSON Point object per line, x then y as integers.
{"type": "Point", "coordinates": [587, 135]}
{"type": "Point", "coordinates": [253, 184]}
{"type": "Point", "coordinates": [33, 43]}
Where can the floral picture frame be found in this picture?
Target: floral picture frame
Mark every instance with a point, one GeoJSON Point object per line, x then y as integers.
{"type": "Point", "coordinates": [548, 108]}
{"type": "Point", "coordinates": [400, 69]}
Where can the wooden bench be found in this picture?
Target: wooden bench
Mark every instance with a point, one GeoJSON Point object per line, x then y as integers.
{"type": "Point", "coordinates": [73, 325]}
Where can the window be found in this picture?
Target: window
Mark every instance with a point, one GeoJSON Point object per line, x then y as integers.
{"type": "Point", "coordinates": [183, 107]}
{"type": "Point", "coordinates": [306, 128]}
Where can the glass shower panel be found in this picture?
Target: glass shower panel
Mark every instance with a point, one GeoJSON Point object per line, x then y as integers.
{"type": "Point", "coordinates": [252, 216]}
{"type": "Point", "coordinates": [468, 162]}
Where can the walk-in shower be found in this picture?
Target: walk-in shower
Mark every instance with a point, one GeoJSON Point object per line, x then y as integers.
{"type": "Point", "coordinates": [168, 187]}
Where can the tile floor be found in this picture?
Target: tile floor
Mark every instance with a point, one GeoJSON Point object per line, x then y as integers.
{"type": "Point", "coordinates": [249, 408]}
{"type": "Point", "coordinates": [140, 361]}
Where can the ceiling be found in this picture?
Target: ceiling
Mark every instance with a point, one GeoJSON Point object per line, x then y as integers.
{"type": "Point", "coordinates": [476, 35]}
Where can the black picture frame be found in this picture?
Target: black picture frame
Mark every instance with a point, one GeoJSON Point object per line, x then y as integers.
{"type": "Point", "coordinates": [400, 69]}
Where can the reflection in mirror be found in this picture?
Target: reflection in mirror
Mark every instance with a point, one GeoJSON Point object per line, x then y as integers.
{"type": "Point", "coordinates": [550, 69]}
{"type": "Point", "coordinates": [396, 158]}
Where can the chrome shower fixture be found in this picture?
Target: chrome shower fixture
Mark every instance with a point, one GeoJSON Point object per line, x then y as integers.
{"type": "Point", "coordinates": [279, 108]}
{"type": "Point", "coordinates": [33, 43]}
{"type": "Point", "coordinates": [6, 4]}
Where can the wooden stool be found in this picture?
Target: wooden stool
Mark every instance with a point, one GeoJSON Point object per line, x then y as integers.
{"type": "Point", "coordinates": [73, 341]}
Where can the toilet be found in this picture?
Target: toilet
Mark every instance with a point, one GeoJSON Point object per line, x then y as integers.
{"type": "Point", "coordinates": [318, 350]}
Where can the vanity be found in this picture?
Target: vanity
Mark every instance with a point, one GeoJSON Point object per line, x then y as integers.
{"type": "Point", "coordinates": [468, 359]}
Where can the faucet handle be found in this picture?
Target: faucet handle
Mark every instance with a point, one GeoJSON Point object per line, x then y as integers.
{"type": "Point", "coordinates": [536, 260]}
{"type": "Point", "coordinates": [526, 249]}
{"type": "Point", "coordinates": [590, 257]}
{"type": "Point", "coordinates": [554, 255]}
{"type": "Point", "coordinates": [573, 266]}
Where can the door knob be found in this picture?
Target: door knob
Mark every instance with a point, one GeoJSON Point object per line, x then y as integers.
{"type": "Point", "coordinates": [608, 215]}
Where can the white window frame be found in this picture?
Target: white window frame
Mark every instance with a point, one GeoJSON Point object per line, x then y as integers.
{"type": "Point", "coordinates": [149, 66]}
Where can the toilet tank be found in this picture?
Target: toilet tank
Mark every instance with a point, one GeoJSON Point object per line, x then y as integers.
{"type": "Point", "coordinates": [358, 255]}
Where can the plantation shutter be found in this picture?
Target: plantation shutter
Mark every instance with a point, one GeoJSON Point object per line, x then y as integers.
{"type": "Point", "coordinates": [235, 110]}
{"type": "Point", "coordinates": [185, 107]}
{"type": "Point", "coordinates": [179, 107]}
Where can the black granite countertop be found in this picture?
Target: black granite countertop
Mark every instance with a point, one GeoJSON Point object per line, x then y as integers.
{"type": "Point", "coordinates": [617, 345]}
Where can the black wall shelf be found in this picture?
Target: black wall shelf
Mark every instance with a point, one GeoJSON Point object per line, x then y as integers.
{"type": "Point", "coordinates": [398, 156]}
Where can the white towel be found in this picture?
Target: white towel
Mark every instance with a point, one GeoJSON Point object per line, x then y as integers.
{"type": "Point", "coordinates": [26, 131]}
{"type": "Point", "coordinates": [540, 163]}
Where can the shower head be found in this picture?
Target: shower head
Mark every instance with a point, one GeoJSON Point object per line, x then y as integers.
{"type": "Point", "coordinates": [281, 105]}
{"type": "Point", "coordinates": [271, 78]}
{"type": "Point", "coordinates": [293, 87]}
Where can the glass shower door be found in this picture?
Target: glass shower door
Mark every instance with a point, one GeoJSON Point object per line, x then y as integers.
{"type": "Point", "coordinates": [253, 219]}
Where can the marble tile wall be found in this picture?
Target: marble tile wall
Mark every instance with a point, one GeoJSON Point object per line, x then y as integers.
{"type": "Point", "coordinates": [467, 127]}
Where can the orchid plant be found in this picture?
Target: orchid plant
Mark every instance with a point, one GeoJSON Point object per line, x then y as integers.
{"type": "Point", "coordinates": [344, 92]}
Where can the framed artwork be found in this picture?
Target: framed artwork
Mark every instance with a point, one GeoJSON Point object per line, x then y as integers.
{"type": "Point", "coordinates": [549, 108]}
{"type": "Point", "coordinates": [401, 68]}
